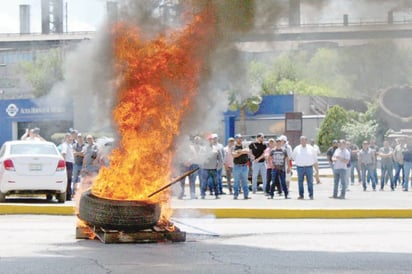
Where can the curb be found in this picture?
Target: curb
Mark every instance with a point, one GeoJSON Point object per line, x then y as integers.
{"type": "Point", "coordinates": [292, 213]}
{"type": "Point", "coordinates": [33, 209]}
{"type": "Point", "coordinates": [249, 213]}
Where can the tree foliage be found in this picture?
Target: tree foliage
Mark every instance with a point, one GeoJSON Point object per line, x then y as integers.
{"type": "Point", "coordinates": [43, 72]}
{"type": "Point", "coordinates": [359, 130]}
{"type": "Point", "coordinates": [332, 126]}
{"type": "Point", "coordinates": [350, 125]}
{"type": "Point", "coordinates": [250, 104]}
{"type": "Point", "coordinates": [356, 72]}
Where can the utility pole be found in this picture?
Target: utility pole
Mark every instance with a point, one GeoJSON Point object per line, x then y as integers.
{"type": "Point", "coordinates": [66, 16]}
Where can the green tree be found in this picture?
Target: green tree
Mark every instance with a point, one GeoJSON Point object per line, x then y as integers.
{"type": "Point", "coordinates": [290, 74]}
{"type": "Point", "coordinates": [359, 130]}
{"type": "Point", "coordinates": [43, 72]}
{"type": "Point", "coordinates": [372, 114]}
{"type": "Point", "coordinates": [332, 126]}
{"type": "Point", "coordinates": [250, 104]}
{"type": "Point", "coordinates": [324, 69]}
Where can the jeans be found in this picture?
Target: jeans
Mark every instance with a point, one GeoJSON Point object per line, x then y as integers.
{"type": "Point", "coordinates": [229, 172]}
{"type": "Point", "coordinates": [192, 181]}
{"type": "Point", "coordinates": [207, 174]}
{"type": "Point", "coordinates": [240, 174]}
{"type": "Point", "coordinates": [369, 169]}
{"type": "Point", "coordinates": [258, 167]}
{"type": "Point", "coordinates": [407, 167]}
{"type": "Point", "coordinates": [398, 169]}
{"type": "Point", "coordinates": [219, 181]}
{"type": "Point", "coordinates": [387, 171]}
{"type": "Point", "coordinates": [77, 169]}
{"type": "Point", "coordinates": [373, 171]}
{"type": "Point", "coordinates": [269, 181]}
{"type": "Point", "coordinates": [339, 176]}
{"type": "Point", "coordinates": [308, 172]}
{"type": "Point", "coordinates": [353, 166]}
{"type": "Point", "coordinates": [279, 176]}
{"type": "Point", "coordinates": [69, 170]}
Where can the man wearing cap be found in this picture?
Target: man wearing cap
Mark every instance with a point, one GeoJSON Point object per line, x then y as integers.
{"type": "Point", "coordinates": [221, 150]}
{"type": "Point", "coordinates": [257, 150]}
{"type": "Point", "coordinates": [269, 168]}
{"type": "Point", "coordinates": [305, 158]}
{"type": "Point", "coordinates": [288, 149]}
{"type": "Point", "coordinates": [330, 151]}
{"type": "Point", "coordinates": [279, 159]}
{"type": "Point", "coordinates": [240, 168]}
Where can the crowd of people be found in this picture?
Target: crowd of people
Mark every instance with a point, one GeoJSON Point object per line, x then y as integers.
{"type": "Point", "coordinates": [271, 160]}
{"type": "Point", "coordinates": [241, 160]}
{"type": "Point", "coordinates": [82, 155]}
{"type": "Point", "coordinates": [346, 158]}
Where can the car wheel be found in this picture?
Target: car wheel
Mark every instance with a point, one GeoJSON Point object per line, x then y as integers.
{"type": "Point", "coordinates": [49, 197]}
{"type": "Point", "coordinates": [2, 197]}
{"type": "Point", "coordinates": [117, 214]}
{"type": "Point", "coordinates": [61, 197]}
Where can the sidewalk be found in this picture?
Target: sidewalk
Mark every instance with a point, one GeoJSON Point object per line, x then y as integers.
{"type": "Point", "coordinates": [358, 204]}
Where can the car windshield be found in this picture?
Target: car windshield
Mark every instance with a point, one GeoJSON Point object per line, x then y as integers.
{"type": "Point", "coordinates": [33, 149]}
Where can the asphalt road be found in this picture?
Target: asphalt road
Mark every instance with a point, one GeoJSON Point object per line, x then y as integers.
{"type": "Point", "coordinates": [47, 244]}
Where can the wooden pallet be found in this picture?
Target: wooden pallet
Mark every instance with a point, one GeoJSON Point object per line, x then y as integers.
{"type": "Point", "coordinates": [141, 236]}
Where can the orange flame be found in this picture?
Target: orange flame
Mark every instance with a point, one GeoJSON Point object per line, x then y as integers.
{"type": "Point", "coordinates": [159, 81]}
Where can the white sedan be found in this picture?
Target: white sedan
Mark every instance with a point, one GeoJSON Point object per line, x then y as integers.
{"type": "Point", "coordinates": [32, 167]}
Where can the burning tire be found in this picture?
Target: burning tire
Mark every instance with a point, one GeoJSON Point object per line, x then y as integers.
{"type": "Point", "coordinates": [116, 214]}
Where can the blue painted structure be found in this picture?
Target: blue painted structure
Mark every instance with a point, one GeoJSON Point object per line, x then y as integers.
{"type": "Point", "coordinates": [27, 110]}
{"type": "Point", "coordinates": [271, 105]}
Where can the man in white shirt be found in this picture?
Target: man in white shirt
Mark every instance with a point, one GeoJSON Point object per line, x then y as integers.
{"type": "Point", "coordinates": [340, 158]}
{"type": "Point", "coordinates": [68, 155]}
{"type": "Point", "coordinates": [305, 158]}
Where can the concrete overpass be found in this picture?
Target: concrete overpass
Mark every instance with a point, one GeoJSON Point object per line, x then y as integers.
{"type": "Point", "coordinates": [16, 42]}
{"type": "Point", "coordinates": [277, 38]}
{"type": "Point", "coordinates": [282, 38]}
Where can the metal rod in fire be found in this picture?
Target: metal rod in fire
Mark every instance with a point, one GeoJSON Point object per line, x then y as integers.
{"type": "Point", "coordinates": [175, 180]}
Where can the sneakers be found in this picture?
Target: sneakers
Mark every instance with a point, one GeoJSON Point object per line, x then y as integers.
{"type": "Point", "coordinates": [247, 198]}
{"type": "Point", "coordinates": [300, 198]}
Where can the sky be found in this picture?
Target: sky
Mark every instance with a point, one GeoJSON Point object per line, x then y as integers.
{"type": "Point", "coordinates": [83, 15]}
